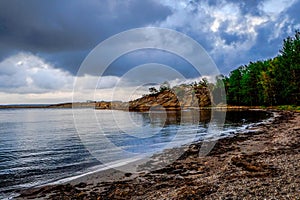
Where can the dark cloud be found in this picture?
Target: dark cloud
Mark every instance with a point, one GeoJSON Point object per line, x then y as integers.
{"type": "Point", "coordinates": [61, 27]}
{"type": "Point", "coordinates": [128, 61]}
{"type": "Point", "coordinates": [64, 32]}
{"type": "Point", "coordinates": [68, 60]}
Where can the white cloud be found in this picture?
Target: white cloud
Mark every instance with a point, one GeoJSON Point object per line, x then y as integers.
{"type": "Point", "coordinates": [273, 8]}
{"type": "Point", "coordinates": [278, 28]}
{"type": "Point", "coordinates": [27, 78]}
{"type": "Point", "coordinates": [90, 82]}
{"type": "Point", "coordinates": [204, 20]}
{"type": "Point", "coordinates": [228, 31]}
{"type": "Point", "coordinates": [27, 73]}
{"type": "Point", "coordinates": [42, 98]}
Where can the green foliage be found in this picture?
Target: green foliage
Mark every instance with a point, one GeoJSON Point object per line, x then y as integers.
{"type": "Point", "coordinates": [164, 86]}
{"type": "Point", "coordinates": [153, 90]}
{"type": "Point", "coordinates": [288, 107]}
{"type": "Point", "coordinates": [272, 82]}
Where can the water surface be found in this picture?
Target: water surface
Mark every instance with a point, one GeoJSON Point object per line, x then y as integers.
{"type": "Point", "coordinates": [39, 146]}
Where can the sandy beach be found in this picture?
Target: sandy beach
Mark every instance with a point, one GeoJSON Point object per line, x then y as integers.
{"type": "Point", "coordinates": [263, 163]}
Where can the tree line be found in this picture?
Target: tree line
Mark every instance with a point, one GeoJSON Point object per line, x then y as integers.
{"type": "Point", "coordinates": [269, 82]}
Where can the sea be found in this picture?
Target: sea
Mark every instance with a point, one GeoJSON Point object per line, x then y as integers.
{"type": "Point", "coordinates": [42, 146]}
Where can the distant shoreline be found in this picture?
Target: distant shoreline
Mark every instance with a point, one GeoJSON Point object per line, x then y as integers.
{"type": "Point", "coordinates": [96, 105]}
{"type": "Point", "coordinates": [58, 105]}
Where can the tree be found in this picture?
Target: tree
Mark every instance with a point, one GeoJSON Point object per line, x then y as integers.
{"type": "Point", "coordinates": [270, 82]}
{"type": "Point", "coordinates": [290, 68]}
{"type": "Point", "coordinates": [164, 86]}
{"type": "Point", "coordinates": [234, 90]}
{"type": "Point", "coordinates": [153, 90]}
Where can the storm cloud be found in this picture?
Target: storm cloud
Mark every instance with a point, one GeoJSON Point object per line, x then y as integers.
{"type": "Point", "coordinates": [64, 32]}
{"type": "Point", "coordinates": [43, 43]}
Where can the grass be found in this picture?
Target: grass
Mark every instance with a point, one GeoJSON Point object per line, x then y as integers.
{"type": "Point", "coordinates": [289, 107]}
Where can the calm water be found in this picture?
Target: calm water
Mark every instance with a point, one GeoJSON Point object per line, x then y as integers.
{"type": "Point", "coordinates": [39, 146]}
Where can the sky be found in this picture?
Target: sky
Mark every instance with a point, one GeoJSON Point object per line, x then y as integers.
{"type": "Point", "coordinates": [43, 43]}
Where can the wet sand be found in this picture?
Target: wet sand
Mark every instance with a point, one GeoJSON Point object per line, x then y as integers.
{"type": "Point", "coordinates": [260, 164]}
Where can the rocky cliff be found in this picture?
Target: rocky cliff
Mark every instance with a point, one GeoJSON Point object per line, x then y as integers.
{"type": "Point", "coordinates": [179, 97]}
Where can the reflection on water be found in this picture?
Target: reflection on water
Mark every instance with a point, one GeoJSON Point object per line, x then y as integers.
{"type": "Point", "coordinates": [161, 118]}
{"type": "Point", "coordinates": [41, 145]}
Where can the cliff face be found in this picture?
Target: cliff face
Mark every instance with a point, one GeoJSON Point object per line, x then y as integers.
{"type": "Point", "coordinates": [166, 99]}
{"type": "Point", "coordinates": [179, 97]}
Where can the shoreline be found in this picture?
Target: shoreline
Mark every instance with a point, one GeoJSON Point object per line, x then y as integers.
{"type": "Point", "coordinates": [244, 165]}
{"type": "Point", "coordinates": [123, 106]}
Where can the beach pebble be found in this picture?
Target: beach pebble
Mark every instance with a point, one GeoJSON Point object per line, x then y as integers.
{"type": "Point", "coordinates": [128, 174]}
{"type": "Point", "coordinates": [81, 185]}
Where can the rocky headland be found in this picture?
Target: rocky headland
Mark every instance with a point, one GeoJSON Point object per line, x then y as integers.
{"type": "Point", "coordinates": [177, 98]}
{"type": "Point", "coordinates": [180, 97]}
